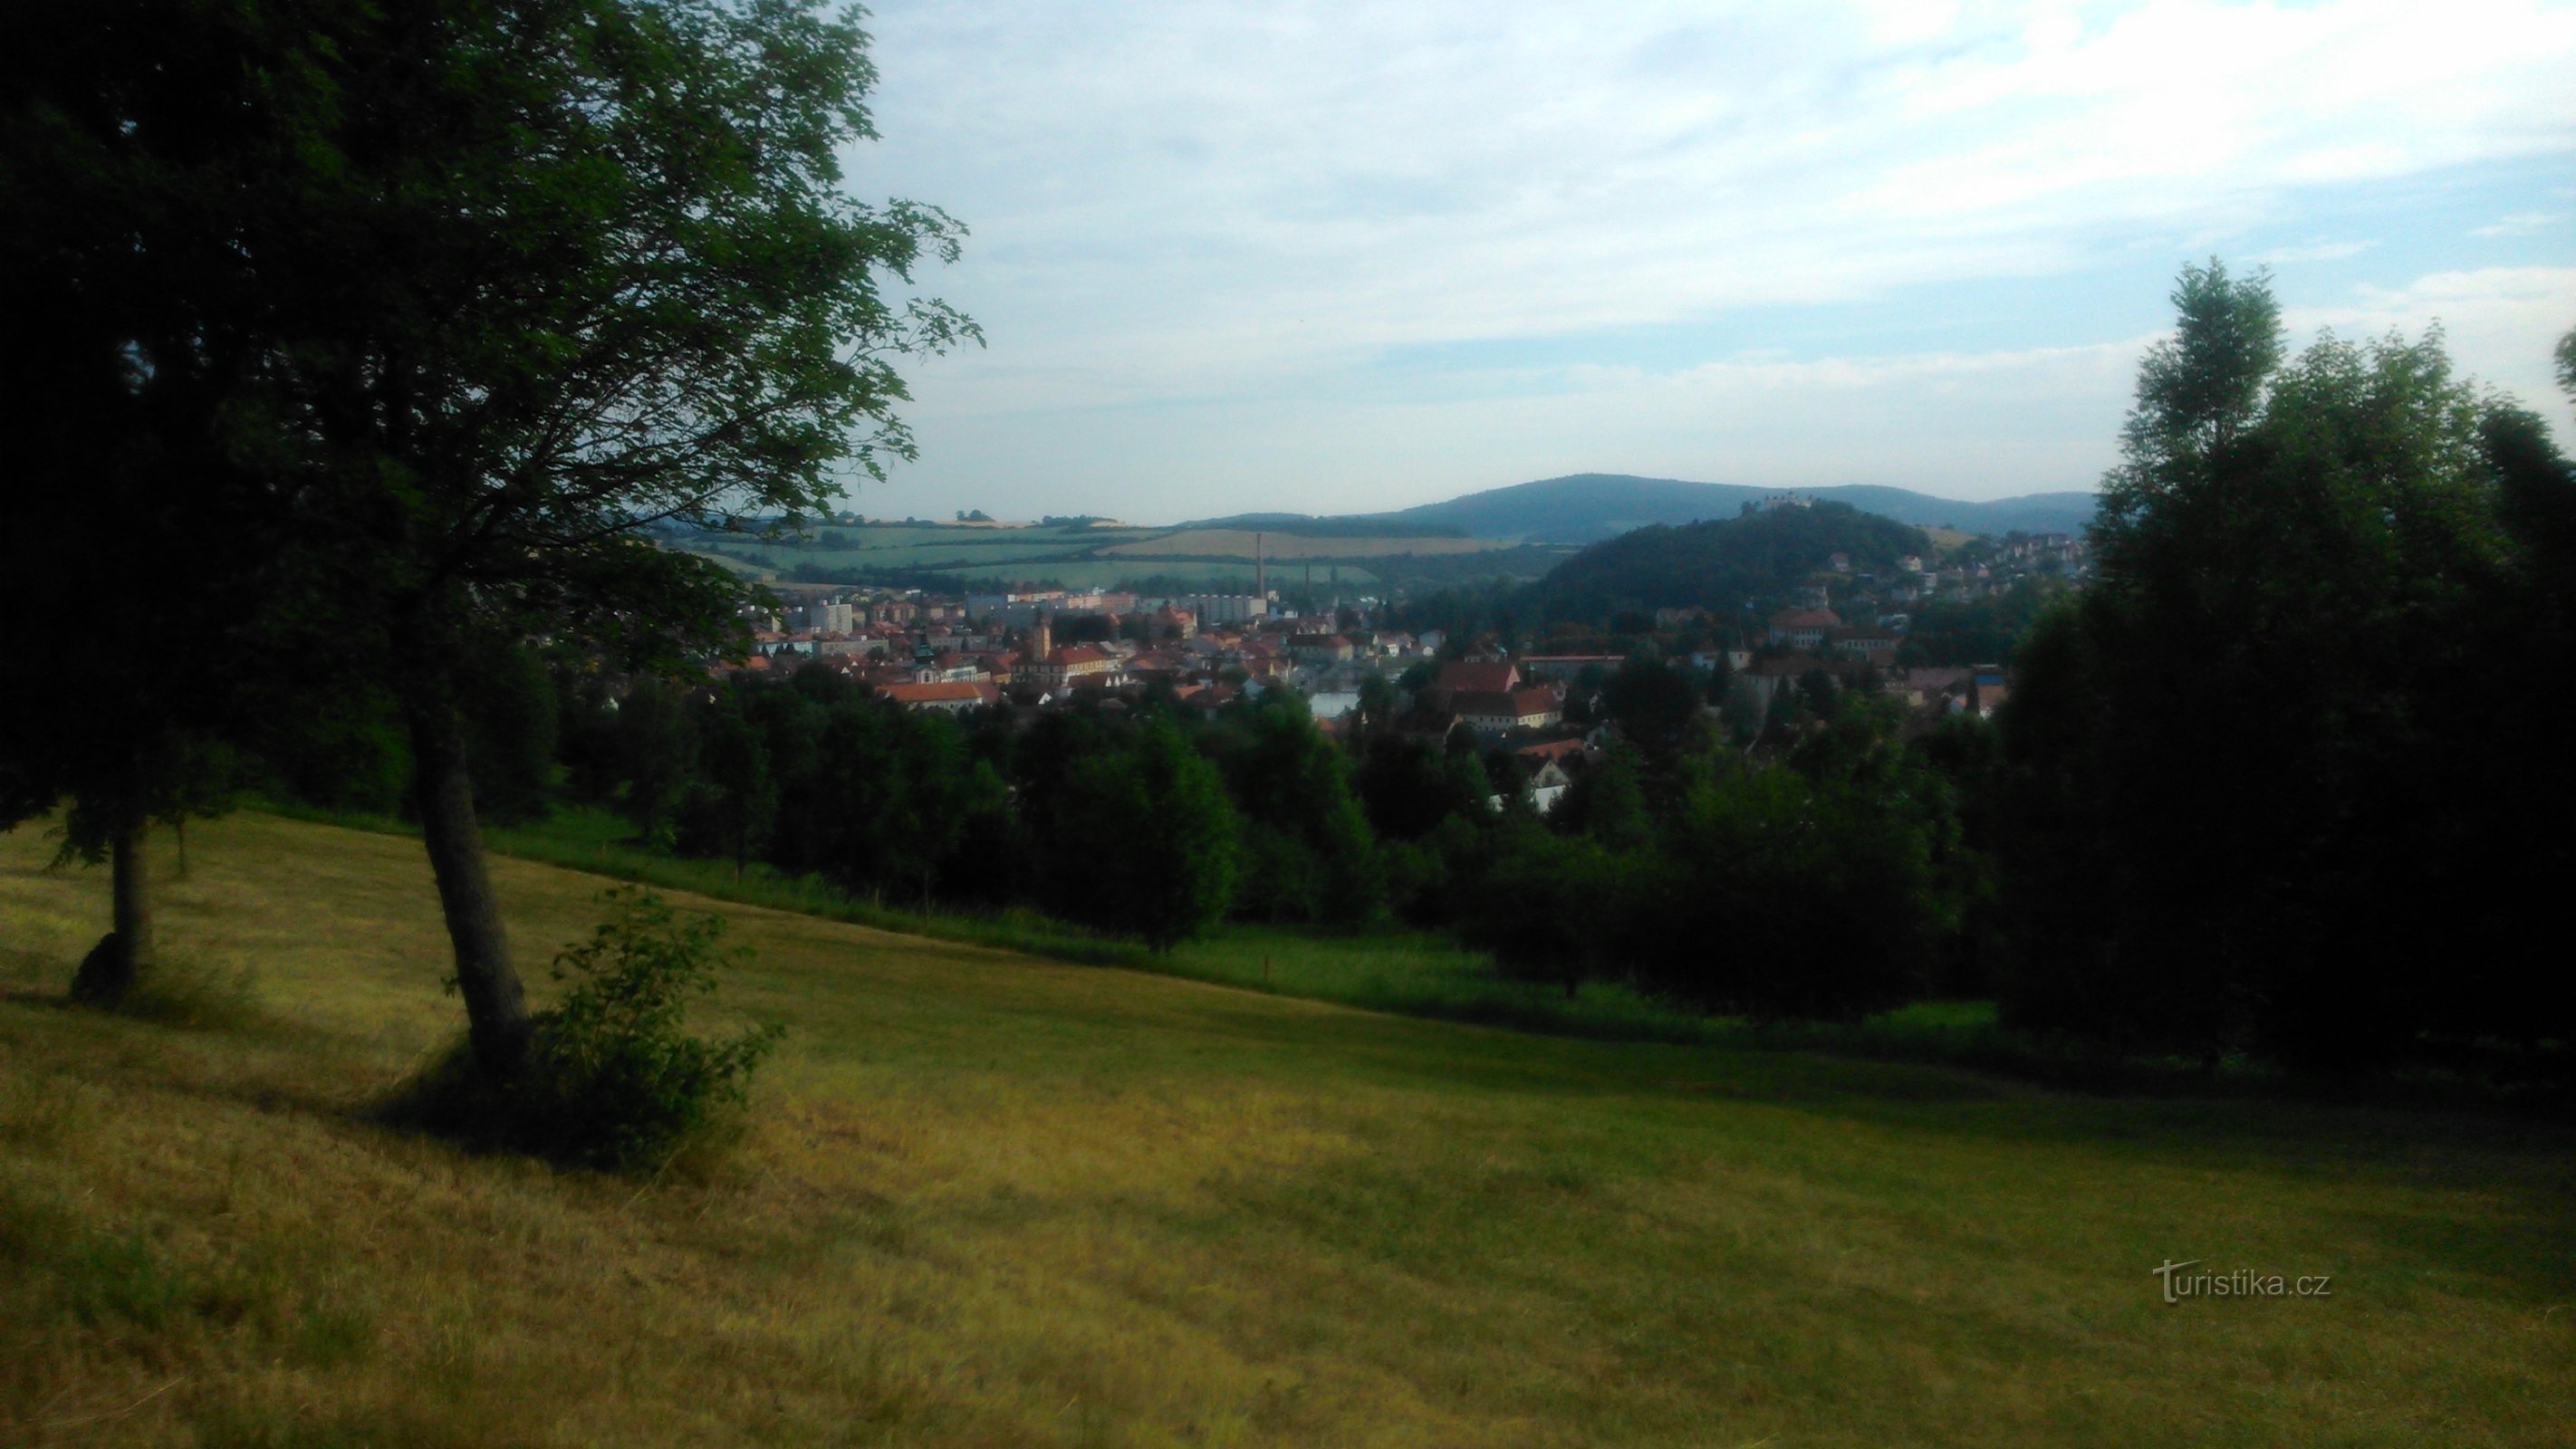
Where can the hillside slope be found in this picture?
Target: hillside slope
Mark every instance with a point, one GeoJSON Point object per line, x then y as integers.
{"type": "Point", "coordinates": [989, 1200]}
{"type": "Point", "coordinates": [1720, 565]}
{"type": "Point", "coordinates": [1588, 507]}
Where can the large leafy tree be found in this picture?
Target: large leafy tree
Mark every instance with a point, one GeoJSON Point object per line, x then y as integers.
{"type": "Point", "coordinates": [502, 284]}
{"type": "Point", "coordinates": [124, 566]}
{"type": "Point", "coordinates": [2264, 775]}
{"type": "Point", "coordinates": [1307, 847]}
{"type": "Point", "coordinates": [1140, 839]}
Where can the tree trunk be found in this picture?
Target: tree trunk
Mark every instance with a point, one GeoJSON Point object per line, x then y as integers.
{"type": "Point", "coordinates": [125, 955]}
{"type": "Point", "coordinates": [496, 1009]}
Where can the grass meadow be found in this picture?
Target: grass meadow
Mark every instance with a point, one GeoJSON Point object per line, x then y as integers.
{"type": "Point", "coordinates": [990, 1198]}
{"type": "Point", "coordinates": [1418, 974]}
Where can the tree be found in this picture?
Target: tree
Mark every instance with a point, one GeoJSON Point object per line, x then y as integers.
{"type": "Point", "coordinates": [1546, 907]}
{"type": "Point", "coordinates": [1308, 848]}
{"type": "Point", "coordinates": [1408, 788]}
{"type": "Point", "coordinates": [1142, 841]}
{"type": "Point", "coordinates": [119, 136]}
{"type": "Point", "coordinates": [1654, 702]}
{"type": "Point", "coordinates": [1785, 892]}
{"type": "Point", "coordinates": [1608, 802]}
{"type": "Point", "coordinates": [657, 755]}
{"type": "Point", "coordinates": [735, 802]}
{"type": "Point", "coordinates": [1376, 706]}
{"type": "Point", "coordinates": [509, 714]}
{"type": "Point", "coordinates": [523, 278]}
{"type": "Point", "coordinates": [2248, 798]}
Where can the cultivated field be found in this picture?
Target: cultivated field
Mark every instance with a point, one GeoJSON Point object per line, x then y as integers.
{"type": "Point", "coordinates": [990, 1200]}
{"type": "Point", "coordinates": [985, 556]}
{"type": "Point", "coordinates": [1243, 543]}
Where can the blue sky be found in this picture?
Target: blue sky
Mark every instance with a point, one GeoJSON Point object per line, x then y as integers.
{"type": "Point", "coordinates": [1338, 257]}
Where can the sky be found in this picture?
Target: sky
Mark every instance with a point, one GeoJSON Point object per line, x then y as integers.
{"type": "Point", "coordinates": [1343, 257]}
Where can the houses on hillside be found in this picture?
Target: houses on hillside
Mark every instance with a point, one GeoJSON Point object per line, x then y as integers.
{"type": "Point", "coordinates": [1803, 628]}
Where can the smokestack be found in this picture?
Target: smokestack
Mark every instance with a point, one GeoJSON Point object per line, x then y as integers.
{"type": "Point", "coordinates": [1260, 570]}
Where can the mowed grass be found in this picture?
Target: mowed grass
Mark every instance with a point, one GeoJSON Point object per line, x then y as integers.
{"type": "Point", "coordinates": [1420, 974]}
{"type": "Point", "coordinates": [988, 1199]}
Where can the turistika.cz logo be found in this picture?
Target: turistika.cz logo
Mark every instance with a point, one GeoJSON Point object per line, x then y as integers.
{"type": "Point", "coordinates": [2242, 1283]}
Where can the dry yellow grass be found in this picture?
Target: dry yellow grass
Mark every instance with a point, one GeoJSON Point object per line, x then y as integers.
{"type": "Point", "coordinates": [990, 1200]}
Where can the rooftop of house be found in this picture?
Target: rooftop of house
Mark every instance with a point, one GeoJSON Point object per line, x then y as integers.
{"type": "Point", "coordinates": [1550, 749]}
{"type": "Point", "coordinates": [1461, 677]}
{"type": "Point", "coordinates": [939, 693]}
{"type": "Point", "coordinates": [1806, 619]}
{"type": "Point", "coordinates": [1490, 703]}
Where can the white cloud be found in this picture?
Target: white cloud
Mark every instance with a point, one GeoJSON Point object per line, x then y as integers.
{"type": "Point", "coordinates": [2499, 324]}
{"type": "Point", "coordinates": [2313, 252]}
{"type": "Point", "coordinates": [1924, 421]}
{"type": "Point", "coordinates": [2521, 223]}
{"type": "Point", "coordinates": [1179, 205]}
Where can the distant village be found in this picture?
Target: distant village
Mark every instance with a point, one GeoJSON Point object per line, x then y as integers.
{"type": "Point", "coordinates": [1049, 648]}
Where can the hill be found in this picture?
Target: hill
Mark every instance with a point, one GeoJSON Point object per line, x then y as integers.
{"type": "Point", "coordinates": [1588, 507]}
{"type": "Point", "coordinates": [992, 1200]}
{"type": "Point", "coordinates": [1721, 565]}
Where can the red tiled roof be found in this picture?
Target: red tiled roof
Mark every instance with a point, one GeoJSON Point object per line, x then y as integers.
{"type": "Point", "coordinates": [1495, 703]}
{"type": "Point", "coordinates": [1465, 678]}
{"type": "Point", "coordinates": [1806, 619]}
{"type": "Point", "coordinates": [939, 693]}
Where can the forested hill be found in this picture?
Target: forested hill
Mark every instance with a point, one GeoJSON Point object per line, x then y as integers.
{"type": "Point", "coordinates": [1589, 507]}
{"type": "Point", "coordinates": [1722, 564]}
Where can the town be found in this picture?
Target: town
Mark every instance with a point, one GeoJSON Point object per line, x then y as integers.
{"type": "Point", "coordinates": [1034, 649]}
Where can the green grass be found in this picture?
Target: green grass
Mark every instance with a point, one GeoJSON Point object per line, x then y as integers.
{"type": "Point", "coordinates": [1424, 974]}
{"type": "Point", "coordinates": [987, 1198]}
{"type": "Point", "coordinates": [1409, 972]}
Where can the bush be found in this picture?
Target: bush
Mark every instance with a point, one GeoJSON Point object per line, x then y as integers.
{"type": "Point", "coordinates": [611, 1080]}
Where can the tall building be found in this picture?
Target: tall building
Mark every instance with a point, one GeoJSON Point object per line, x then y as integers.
{"type": "Point", "coordinates": [1224, 608]}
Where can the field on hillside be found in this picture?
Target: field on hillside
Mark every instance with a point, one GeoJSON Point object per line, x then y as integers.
{"type": "Point", "coordinates": [1091, 557]}
{"type": "Point", "coordinates": [1243, 543]}
{"type": "Point", "coordinates": [986, 1199]}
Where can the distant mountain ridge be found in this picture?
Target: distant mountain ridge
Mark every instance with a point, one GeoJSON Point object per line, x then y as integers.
{"type": "Point", "coordinates": [1589, 507]}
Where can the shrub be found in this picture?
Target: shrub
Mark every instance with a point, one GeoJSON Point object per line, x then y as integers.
{"type": "Point", "coordinates": [611, 1079]}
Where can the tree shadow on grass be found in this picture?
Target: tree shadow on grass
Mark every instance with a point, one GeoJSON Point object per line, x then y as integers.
{"type": "Point", "coordinates": [2391, 1132]}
